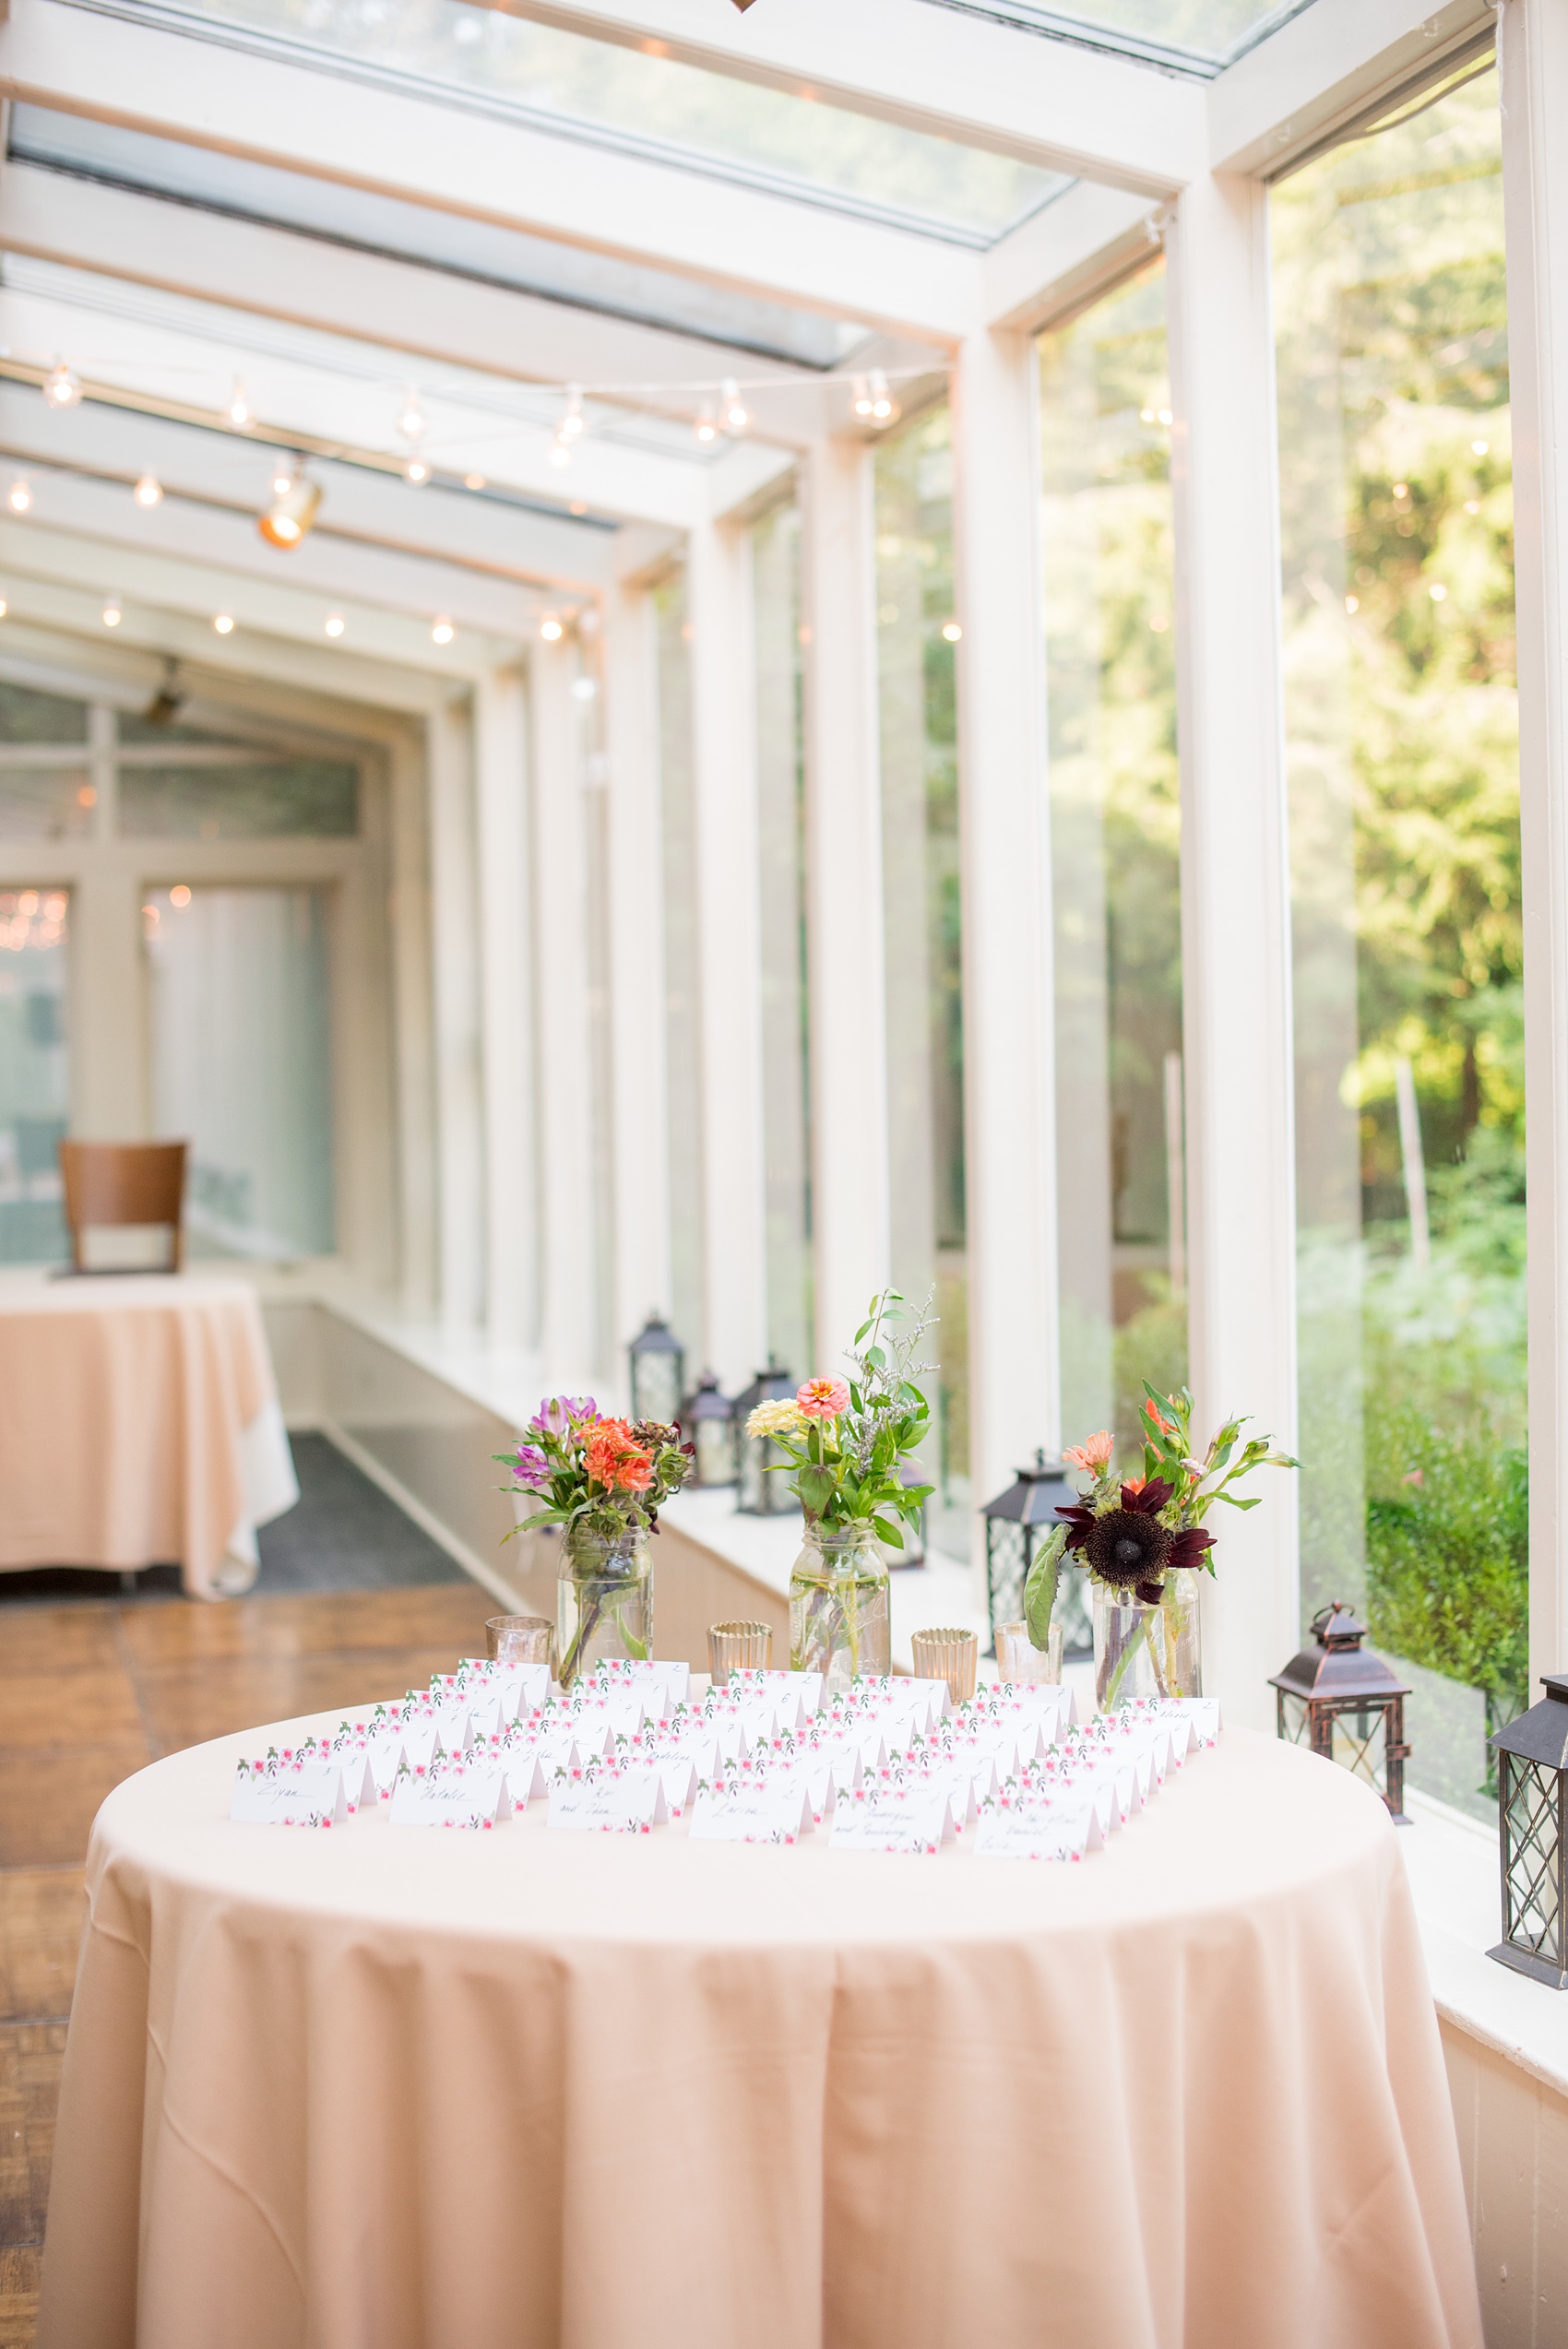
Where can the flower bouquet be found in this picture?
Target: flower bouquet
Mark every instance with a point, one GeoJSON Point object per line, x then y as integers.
{"type": "Point", "coordinates": [601, 1480]}
{"type": "Point", "coordinates": [843, 1441]}
{"type": "Point", "coordinates": [1142, 1540]}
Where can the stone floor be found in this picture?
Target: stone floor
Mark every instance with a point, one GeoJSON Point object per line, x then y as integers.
{"type": "Point", "coordinates": [93, 1689]}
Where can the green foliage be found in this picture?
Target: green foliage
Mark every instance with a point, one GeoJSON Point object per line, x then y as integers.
{"type": "Point", "coordinates": [844, 1464]}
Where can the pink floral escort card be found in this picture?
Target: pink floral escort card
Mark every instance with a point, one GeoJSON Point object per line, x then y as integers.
{"type": "Point", "coordinates": [454, 1794]}
{"type": "Point", "coordinates": [296, 1787]}
{"type": "Point", "coordinates": [602, 1799]}
{"type": "Point", "coordinates": [747, 1806]}
{"type": "Point", "coordinates": [881, 1817]}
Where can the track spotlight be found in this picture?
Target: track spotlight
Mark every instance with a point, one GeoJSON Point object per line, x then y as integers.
{"type": "Point", "coordinates": [707, 426]}
{"type": "Point", "coordinates": [443, 632]}
{"type": "Point", "coordinates": [884, 407]}
{"type": "Point", "coordinates": [736, 414]}
{"type": "Point", "coordinates": [412, 423]}
{"type": "Point", "coordinates": [560, 454]}
{"type": "Point", "coordinates": [168, 701]}
{"type": "Point", "coordinates": [62, 385]}
{"type": "Point", "coordinates": [148, 490]}
{"type": "Point", "coordinates": [113, 615]}
{"type": "Point", "coordinates": [574, 423]}
{"type": "Point", "coordinates": [416, 471]}
{"type": "Point", "coordinates": [19, 497]}
{"type": "Point", "coordinates": [239, 408]}
{"type": "Point", "coordinates": [334, 623]}
{"type": "Point", "coordinates": [293, 510]}
{"type": "Point", "coordinates": [549, 628]}
{"type": "Point", "coordinates": [224, 624]}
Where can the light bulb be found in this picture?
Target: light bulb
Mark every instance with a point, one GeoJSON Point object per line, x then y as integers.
{"type": "Point", "coordinates": [179, 896]}
{"type": "Point", "coordinates": [334, 623]}
{"type": "Point", "coordinates": [884, 407]}
{"type": "Point", "coordinates": [5, 607]}
{"type": "Point", "coordinates": [560, 454]}
{"type": "Point", "coordinates": [412, 422]}
{"type": "Point", "coordinates": [113, 615]}
{"type": "Point", "coordinates": [224, 624]}
{"type": "Point", "coordinates": [148, 490]}
{"type": "Point", "coordinates": [282, 482]}
{"type": "Point", "coordinates": [239, 411]}
{"type": "Point", "coordinates": [952, 632]}
{"type": "Point", "coordinates": [19, 497]}
{"type": "Point", "coordinates": [549, 628]}
{"type": "Point", "coordinates": [292, 513]}
{"type": "Point", "coordinates": [862, 403]}
{"type": "Point", "coordinates": [736, 416]}
{"type": "Point", "coordinates": [417, 471]}
{"type": "Point", "coordinates": [574, 423]}
{"type": "Point", "coordinates": [707, 426]}
{"type": "Point", "coordinates": [62, 385]}
{"type": "Point", "coordinates": [1480, 449]}
{"type": "Point", "coordinates": [473, 480]}
{"type": "Point", "coordinates": [443, 632]}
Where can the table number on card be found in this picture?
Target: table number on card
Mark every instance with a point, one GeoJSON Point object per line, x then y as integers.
{"type": "Point", "coordinates": [878, 1818]}
{"type": "Point", "coordinates": [283, 1791]}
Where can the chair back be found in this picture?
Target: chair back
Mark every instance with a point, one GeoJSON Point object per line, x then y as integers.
{"type": "Point", "coordinates": [124, 1183]}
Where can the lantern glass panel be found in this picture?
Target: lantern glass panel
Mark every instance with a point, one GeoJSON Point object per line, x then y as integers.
{"type": "Point", "coordinates": [657, 1373]}
{"type": "Point", "coordinates": [1532, 1828]}
{"type": "Point", "coordinates": [1360, 1745]}
{"type": "Point", "coordinates": [715, 1444]}
{"type": "Point", "coordinates": [1295, 1720]}
{"type": "Point", "coordinates": [1006, 1555]}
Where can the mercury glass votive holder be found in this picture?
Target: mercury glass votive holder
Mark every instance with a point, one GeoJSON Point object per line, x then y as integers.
{"type": "Point", "coordinates": [947, 1655]}
{"type": "Point", "coordinates": [1017, 1658]}
{"type": "Point", "coordinates": [738, 1648]}
{"type": "Point", "coordinates": [518, 1639]}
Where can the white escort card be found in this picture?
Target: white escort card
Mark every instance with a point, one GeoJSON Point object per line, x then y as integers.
{"type": "Point", "coordinates": [454, 1796]}
{"type": "Point", "coordinates": [285, 1791]}
{"type": "Point", "coordinates": [608, 1801]}
{"type": "Point", "coordinates": [764, 1808]}
{"type": "Point", "coordinates": [1063, 1826]}
{"type": "Point", "coordinates": [787, 1689]}
{"type": "Point", "coordinates": [877, 1817]}
{"type": "Point", "coordinates": [672, 1680]}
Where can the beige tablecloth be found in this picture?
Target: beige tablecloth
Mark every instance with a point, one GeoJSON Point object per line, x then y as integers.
{"type": "Point", "coordinates": [139, 1423]}
{"type": "Point", "coordinates": [376, 2087]}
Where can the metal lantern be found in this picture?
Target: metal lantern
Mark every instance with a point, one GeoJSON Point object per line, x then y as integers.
{"type": "Point", "coordinates": [758, 1493]}
{"type": "Point", "coordinates": [657, 1372]}
{"type": "Point", "coordinates": [1532, 1804]}
{"type": "Point", "coordinates": [707, 1422]}
{"type": "Point", "coordinates": [1016, 1523]}
{"type": "Point", "coordinates": [1347, 1705]}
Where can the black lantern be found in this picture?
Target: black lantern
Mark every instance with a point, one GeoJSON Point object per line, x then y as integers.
{"type": "Point", "coordinates": [1532, 1804]}
{"type": "Point", "coordinates": [658, 1368]}
{"type": "Point", "coordinates": [1016, 1524]}
{"type": "Point", "coordinates": [758, 1493]}
{"type": "Point", "coordinates": [1347, 1705]}
{"type": "Point", "coordinates": [707, 1422]}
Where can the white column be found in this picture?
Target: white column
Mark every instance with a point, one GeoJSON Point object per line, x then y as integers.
{"type": "Point", "coordinates": [109, 1067]}
{"type": "Point", "coordinates": [455, 988]}
{"type": "Point", "coordinates": [1533, 55]}
{"type": "Point", "coordinates": [729, 954]}
{"type": "Point", "coordinates": [413, 1028]}
{"type": "Point", "coordinates": [561, 994]}
{"type": "Point", "coordinates": [1235, 910]}
{"type": "Point", "coordinates": [501, 799]}
{"type": "Point", "coordinates": [1009, 1041]}
{"type": "Point", "coordinates": [845, 967]}
{"type": "Point", "coordinates": [635, 860]}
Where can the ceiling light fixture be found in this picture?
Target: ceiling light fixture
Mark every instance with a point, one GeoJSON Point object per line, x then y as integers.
{"type": "Point", "coordinates": [224, 624]}
{"type": "Point", "coordinates": [473, 480]}
{"type": "Point", "coordinates": [239, 408]}
{"type": "Point", "coordinates": [19, 497]}
{"type": "Point", "coordinates": [412, 423]}
{"type": "Point", "coordinates": [169, 700]}
{"type": "Point", "coordinates": [549, 628]}
{"type": "Point", "coordinates": [334, 623]}
{"type": "Point", "coordinates": [884, 407]}
{"type": "Point", "coordinates": [736, 414]}
{"type": "Point", "coordinates": [148, 490]}
{"type": "Point", "coordinates": [292, 513]}
{"type": "Point", "coordinates": [707, 425]}
{"type": "Point", "coordinates": [62, 385]}
{"type": "Point", "coordinates": [574, 423]}
{"type": "Point", "coordinates": [560, 454]}
{"type": "Point", "coordinates": [5, 607]}
{"type": "Point", "coordinates": [113, 615]}
{"type": "Point", "coordinates": [443, 632]}
{"type": "Point", "coordinates": [416, 471]}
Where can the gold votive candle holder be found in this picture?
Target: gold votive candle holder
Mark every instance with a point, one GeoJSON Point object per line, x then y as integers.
{"type": "Point", "coordinates": [1017, 1658]}
{"type": "Point", "coordinates": [738, 1648]}
{"type": "Point", "coordinates": [518, 1639]}
{"type": "Point", "coordinates": [949, 1656]}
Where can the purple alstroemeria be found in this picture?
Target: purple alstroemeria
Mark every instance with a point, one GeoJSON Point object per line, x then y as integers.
{"type": "Point", "coordinates": [534, 1468]}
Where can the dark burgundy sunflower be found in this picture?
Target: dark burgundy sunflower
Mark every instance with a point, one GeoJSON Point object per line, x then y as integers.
{"type": "Point", "coordinates": [1128, 1545]}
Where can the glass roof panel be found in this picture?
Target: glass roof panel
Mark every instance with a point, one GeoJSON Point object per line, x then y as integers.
{"type": "Point", "coordinates": [228, 184]}
{"type": "Point", "coordinates": [1206, 35]}
{"type": "Point", "coordinates": [656, 107]}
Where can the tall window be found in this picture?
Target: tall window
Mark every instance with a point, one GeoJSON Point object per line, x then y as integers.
{"type": "Point", "coordinates": [1393, 369]}
{"type": "Point", "coordinates": [1115, 838]}
{"type": "Point", "coordinates": [920, 860]}
{"type": "Point", "coordinates": [775, 613]}
{"type": "Point", "coordinates": [682, 1006]}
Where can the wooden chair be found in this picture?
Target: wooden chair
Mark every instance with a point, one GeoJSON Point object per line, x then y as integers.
{"type": "Point", "coordinates": [124, 1183]}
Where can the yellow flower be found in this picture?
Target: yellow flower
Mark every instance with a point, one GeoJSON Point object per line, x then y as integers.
{"type": "Point", "coordinates": [782, 1417]}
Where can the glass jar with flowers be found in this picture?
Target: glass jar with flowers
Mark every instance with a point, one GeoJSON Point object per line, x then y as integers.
{"type": "Point", "coordinates": [601, 1480]}
{"type": "Point", "coordinates": [1144, 1543]}
{"type": "Point", "coordinates": [843, 1439]}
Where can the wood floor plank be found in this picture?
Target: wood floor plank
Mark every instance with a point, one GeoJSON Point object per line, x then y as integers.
{"type": "Point", "coordinates": [79, 1637]}
{"type": "Point", "coordinates": [187, 1703]}
{"type": "Point", "coordinates": [19, 2267]}
{"type": "Point", "coordinates": [31, 2059]}
{"type": "Point", "coordinates": [94, 1706]}
{"type": "Point", "coordinates": [48, 1801]}
{"type": "Point", "coordinates": [41, 1929]}
{"type": "Point", "coordinates": [444, 1615]}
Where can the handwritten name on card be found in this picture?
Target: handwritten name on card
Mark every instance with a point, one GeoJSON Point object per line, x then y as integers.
{"type": "Point", "coordinates": [610, 1802]}
{"type": "Point", "coordinates": [454, 1797]}
{"type": "Point", "coordinates": [279, 1793]}
{"type": "Point", "coordinates": [876, 1818]}
{"type": "Point", "coordinates": [752, 1810]}
{"type": "Point", "coordinates": [1063, 1828]}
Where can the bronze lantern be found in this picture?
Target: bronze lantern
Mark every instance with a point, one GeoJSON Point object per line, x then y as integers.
{"type": "Point", "coordinates": [657, 1365]}
{"type": "Point", "coordinates": [758, 1493]}
{"type": "Point", "coordinates": [1347, 1705]}
{"type": "Point", "coordinates": [1532, 1804]}
{"type": "Point", "coordinates": [707, 1422]}
{"type": "Point", "coordinates": [1017, 1523]}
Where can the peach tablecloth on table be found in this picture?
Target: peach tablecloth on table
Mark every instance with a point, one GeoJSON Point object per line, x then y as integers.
{"type": "Point", "coordinates": [139, 1422]}
{"type": "Point", "coordinates": [401, 2088]}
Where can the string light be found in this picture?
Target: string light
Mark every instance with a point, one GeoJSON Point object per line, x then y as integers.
{"type": "Point", "coordinates": [736, 415]}
{"type": "Point", "coordinates": [62, 385]}
{"type": "Point", "coordinates": [334, 623]}
{"type": "Point", "coordinates": [549, 628]}
{"type": "Point", "coordinates": [19, 497]}
{"type": "Point", "coordinates": [113, 615]}
{"type": "Point", "coordinates": [416, 471]}
{"type": "Point", "coordinates": [224, 624]}
{"type": "Point", "coordinates": [239, 409]}
{"type": "Point", "coordinates": [443, 632]}
{"type": "Point", "coordinates": [292, 513]}
{"type": "Point", "coordinates": [148, 490]}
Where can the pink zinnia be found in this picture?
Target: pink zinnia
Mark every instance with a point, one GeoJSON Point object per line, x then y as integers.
{"type": "Point", "coordinates": [822, 1398]}
{"type": "Point", "coordinates": [1091, 1455]}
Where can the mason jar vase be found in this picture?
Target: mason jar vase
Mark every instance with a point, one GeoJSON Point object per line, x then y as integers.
{"type": "Point", "coordinates": [839, 1623]}
{"type": "Point", "coordinates": [603, 1601]}
{"type": "Point", "coordinates": [1147, 1651]}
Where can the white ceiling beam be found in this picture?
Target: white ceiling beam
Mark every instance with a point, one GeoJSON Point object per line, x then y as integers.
{"type": "Point", "coordinates": [1084, 242]}
{"type": "Point", "coordinates": [462, 161]}
{"type": "Point", "coordinates": [1324, 69]}
{"type": "Point", "coordinates": [483, 536]}
{"type": "Point", "coordinates": [937, 70]}
{"type": "Point", "coordinates": [197, 592]}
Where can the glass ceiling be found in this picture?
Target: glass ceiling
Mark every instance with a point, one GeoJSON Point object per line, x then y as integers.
{"type": "Point", "coordinates": [653, 107]}
{"type": "Point", "coordinates": [407, 232]}
{"type": "Point", "coordinates": [1203, 35]}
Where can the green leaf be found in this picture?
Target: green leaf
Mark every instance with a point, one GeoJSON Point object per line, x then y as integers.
{"type": "Point", "coordinates": [1040, 1591]}
{"type": "Point", "coordinates": [1233, 1501]}
{"type": "Point", "coordinates": [885, 1531]}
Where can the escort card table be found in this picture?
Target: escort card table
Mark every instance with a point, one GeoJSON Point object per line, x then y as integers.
{"type": "Point", "coordinates": [378, 2087]}
{"type": "Point", "coordinates": [139, 1423]}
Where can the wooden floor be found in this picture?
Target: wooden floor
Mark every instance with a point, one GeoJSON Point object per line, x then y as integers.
{"type": "Point", "coordinates": [91, 1691]}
